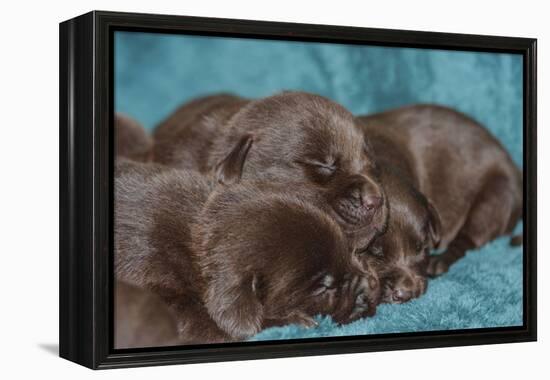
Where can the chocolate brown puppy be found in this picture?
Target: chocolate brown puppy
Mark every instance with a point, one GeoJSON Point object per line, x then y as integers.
{"type": "Point", "coordinates": [142, 319]}
{"type": "Point", "coordinates": [131, 139]}
{"type": "Point", "coordinates": [466, 174]}
{"type": "Point", "coordinates": [254, 257]}
{"type": "Point", "coordinates": [271, 259]}
{"type": "Point", "coordinates": [154, 207]}
{"type": "Point", "coordinates": [399, 257]}
{"type": "Point", "coordinates": [298, 137]}
{"type": "Point", "coordinates": [184, 140]}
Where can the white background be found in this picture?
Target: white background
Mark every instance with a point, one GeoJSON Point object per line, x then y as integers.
{"type": "Point", "coordinates": [29, 188]}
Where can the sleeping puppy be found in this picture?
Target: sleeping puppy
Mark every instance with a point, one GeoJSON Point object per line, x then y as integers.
{"type": "Point", "coordinates": [184, 140]}
{"type": "Point", "coordinates": [399, 256]}
{"type": "Point", "coordinates": [154, 208]}
{"type": "Point", "coordinates": [142, 319]}
{"type": "Point", "coordinates": [254, 257]}
{"type": "Point", "coordinates": [270, 259]}
{"type": "Point", "coordinates": [131, 139]}
{"type": "Point", "coordinates": [298, 137]}
{"type": "Point", "coordinates": [469, 179]}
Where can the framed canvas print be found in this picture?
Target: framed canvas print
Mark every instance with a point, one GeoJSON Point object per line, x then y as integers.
{"type": "Point", "coordinates": [237, 189]}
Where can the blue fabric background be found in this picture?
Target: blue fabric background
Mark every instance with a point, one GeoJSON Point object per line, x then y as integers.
{"type": "Point", "coordinates": [155, 73]}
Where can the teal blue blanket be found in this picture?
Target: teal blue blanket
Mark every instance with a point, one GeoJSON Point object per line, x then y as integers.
{"type": "Point", "coordinates": [154, 73]}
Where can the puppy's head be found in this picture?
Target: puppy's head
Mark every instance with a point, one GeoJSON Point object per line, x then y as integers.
{"type": "Point", "coordinates": [399, 256]}
{"type": "Point", "coordinates": [271, 259]}
{"type": "Point", "coordinates": [307, 138]}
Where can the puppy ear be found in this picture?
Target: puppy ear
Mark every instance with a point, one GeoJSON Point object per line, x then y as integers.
{"type": "Point", "coordinates": [434, 225]}
{"type": "Point", "coordinates": [229, 170]}
{"type": "Point", "coordinates": [234, 305]}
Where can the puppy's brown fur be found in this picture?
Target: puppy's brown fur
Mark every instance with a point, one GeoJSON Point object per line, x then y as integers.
{"type": "Point", "coordinates": [142, 319]}
{"type": "Point", "coordinates": [154, 207]}
{"type": "Point", "coordinates": [298, 137]}
{"type": "Point", "coordinates": [270, 259]}
{"type": "Point", "coordinates": [184, 140]}
{"type": "Point", "coordinates": [466, 174]}
{"type": "Point", "coordinates": [254, 257]}
{"type": "Point", "coordinates": [131, 139]}
{"type": "Point", "coordinates": [399, 256]}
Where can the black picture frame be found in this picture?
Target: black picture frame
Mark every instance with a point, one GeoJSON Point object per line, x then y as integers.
{"type": "Point", "coordinates": [86, 188]}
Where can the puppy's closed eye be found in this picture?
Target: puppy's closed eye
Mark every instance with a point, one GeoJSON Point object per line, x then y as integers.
{"type": "Point", "coordinates": [325, 168]}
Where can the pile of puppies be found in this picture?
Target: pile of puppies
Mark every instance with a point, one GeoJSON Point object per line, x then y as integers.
{"type": "Point", "coordinates": [238, 215]}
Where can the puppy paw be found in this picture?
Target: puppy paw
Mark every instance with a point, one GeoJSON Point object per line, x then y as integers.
{"type": "Point", "coordinates": [437, 265]}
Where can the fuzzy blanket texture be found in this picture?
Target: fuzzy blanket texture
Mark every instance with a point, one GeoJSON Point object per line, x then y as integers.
{"type": "Point", "coordinates": [155, 73]}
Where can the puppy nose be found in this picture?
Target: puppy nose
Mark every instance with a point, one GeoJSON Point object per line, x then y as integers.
{"type": "Point", "coordinates": [367, 195]}
{"type": "Point", "coordinates": [362, 300]}
{"type": "Point", "coordinates": [401, 295]}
